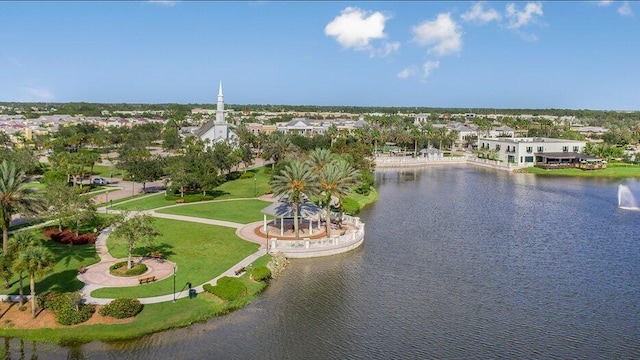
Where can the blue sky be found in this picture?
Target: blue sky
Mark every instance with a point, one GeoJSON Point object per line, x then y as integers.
{"type": "Point", "coordinates": [577, 55]}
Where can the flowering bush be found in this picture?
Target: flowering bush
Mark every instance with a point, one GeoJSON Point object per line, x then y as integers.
{"type": "Point", "coordinates": [122, 308]}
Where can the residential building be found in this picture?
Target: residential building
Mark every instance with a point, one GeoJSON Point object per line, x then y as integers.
{"type": "Point", "coordinates": [529, 151]}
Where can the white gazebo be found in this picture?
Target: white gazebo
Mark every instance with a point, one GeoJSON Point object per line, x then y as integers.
{"type": "Point", "coordinates": [283, 209]}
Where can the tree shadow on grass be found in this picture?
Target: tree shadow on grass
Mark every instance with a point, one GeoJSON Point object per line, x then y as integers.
{"type": "Point", "coordinates": [145, 251]}
{"type": "Point", "coordinates": [67, 253]}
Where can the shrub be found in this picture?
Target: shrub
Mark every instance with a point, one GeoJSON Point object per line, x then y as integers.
{"type": "Point", "coordinates": [122, 308]}
{"type": "Point", "coordinates": [234, 175]}
{"type": "Point", "coordinates": [229, 288]}
{"type": "Point", "coordinates": [350, 206]}
{"type": "Point", "coordinates": [208, 288]}
{"type": "Point", "coordinates": [68, 308]}
{"type": "Point", "coordinates": [119, 269]}
{"type": "Point", "coordinates": [69, 237]}
{"type": "Point", "coordinates": [247, 175]}
{"type": "Point", "coordinates": [261, 273]}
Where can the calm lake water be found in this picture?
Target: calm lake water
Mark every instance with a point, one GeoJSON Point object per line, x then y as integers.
{"type": "Point", "coordinates": [458, 262]}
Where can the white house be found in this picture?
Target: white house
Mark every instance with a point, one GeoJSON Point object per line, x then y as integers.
{"type": "Point", "coordinates": [529, 151]}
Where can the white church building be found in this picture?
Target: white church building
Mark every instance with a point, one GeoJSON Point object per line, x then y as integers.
{"type": "Point", "coordinates": [219, 129]}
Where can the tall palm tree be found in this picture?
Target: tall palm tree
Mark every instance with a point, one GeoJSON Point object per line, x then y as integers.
{"type": "Point", "coordinates": [15, 197]}
{"type": "Point", "coordinates": [19, 243]}
{"type": "Point", "coordinates": [294, 182]}
{"type": "Point", "coordinates": [319, 158]}
{"type": "Point", "coordinates": [35, 261]}
{"type": "Point", "coordinates": [278, 148]}
{"type": "Point", "coordinates": [335, 180]}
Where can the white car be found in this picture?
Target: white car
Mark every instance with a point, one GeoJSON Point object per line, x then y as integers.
{"type": "Point", "coordinates": [100, 181]}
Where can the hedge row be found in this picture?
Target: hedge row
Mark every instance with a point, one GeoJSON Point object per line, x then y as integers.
{"type": "Point", "coordinates": [140, 268]}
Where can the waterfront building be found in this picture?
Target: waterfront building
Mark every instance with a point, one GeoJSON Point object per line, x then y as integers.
{"type": "Point", "coordinates": [527, 151]}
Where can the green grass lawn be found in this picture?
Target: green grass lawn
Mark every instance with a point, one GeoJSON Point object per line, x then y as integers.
{"type": "Point", "coordinates": [240, 211]}
{"type": "Point", "coordinates": [365, 200]}
{"type": "Point", "coordinates": [105, 171]}
{"type": "Point", "coordinates": [246, 188]}
{"type": "Point", "coordinates": [153, 318]}
{"type": "Point", "coordinates": [236, 189]}
{"type": "Point", "coordinates": [63, 278]}
{"type": "Point", "coordinates": [201, 252]}
{"type": "Point", "coordinates": [146, 202]}
{"type": "Point", "coordinates": [613, 170]}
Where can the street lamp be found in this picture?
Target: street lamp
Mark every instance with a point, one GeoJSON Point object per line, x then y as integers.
{"type": "Point", "coordinates": [106, 203]}
{"type": "Point", "coordinates": [174, 282]}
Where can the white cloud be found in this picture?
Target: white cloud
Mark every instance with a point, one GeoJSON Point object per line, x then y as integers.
{"type": "Point", "coordinates": [407, 72]}
{"type": "Point", "coordinates": [167, 3]}
{"type": "Point", "coordinates": [625, 9]}
{"type": "Point", "coordinates": [386, 50]}
{"type": "Point", "coordinates": [529, 14]}
{"type": "Point", "coordinates": [604, 2]}
{"type": "Point", "coordinates": [479, 15]}
{"type": "Point", "coordinates": [428, 67]}
{"type": "Point", "coordinates": [355, 28]}
{"type": "Point", "coordinates": [423, 73]}
{"type": "Point", "coordinates": [443, 35]}
{"type": "Point", "coordinates": [30, 93]}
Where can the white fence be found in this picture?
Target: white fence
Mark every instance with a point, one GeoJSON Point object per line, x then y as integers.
{"type": "Point", "coordinates": [321, 247]}
{"type": "Point", "coordinates": [400, 161]}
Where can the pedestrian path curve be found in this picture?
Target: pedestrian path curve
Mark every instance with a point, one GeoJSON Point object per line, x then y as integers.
{"type": "Point", "coordinates": [97, 275]}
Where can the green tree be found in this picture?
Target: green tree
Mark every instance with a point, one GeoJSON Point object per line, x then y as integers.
{"type": "Point", "coordinates": [134, 229]}
{"type": "Point", "coordinates": [15, 197]}
{"type": "Point", "coordinates": [335, 179]}
{"type": "Point", "coordinates": [292, 184]}
{"type": "Point", "coordinates": [18, 244]}
{"type": "Point", "coordinates": [35, 261]}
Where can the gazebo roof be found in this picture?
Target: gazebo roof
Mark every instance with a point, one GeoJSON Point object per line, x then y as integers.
{"type": "Point", "coordinates": [284, 209]}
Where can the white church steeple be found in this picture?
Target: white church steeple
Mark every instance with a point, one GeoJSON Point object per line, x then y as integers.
{"type": "Point", "coordinates": [220, 108]}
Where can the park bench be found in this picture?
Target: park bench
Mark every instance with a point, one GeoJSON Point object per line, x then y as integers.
{"type": "Point", "coordinates": [146, 280]}
{"type": "Point", "coordinates": [156, 255]}
{"type": "Point", "coordinates": [82, 269]}
{"type": "Point", "coordinates": [240, 271]}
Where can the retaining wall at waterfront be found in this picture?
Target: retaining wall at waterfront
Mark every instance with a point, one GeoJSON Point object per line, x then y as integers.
{"type": "Point", "coordinates": [395, 162]}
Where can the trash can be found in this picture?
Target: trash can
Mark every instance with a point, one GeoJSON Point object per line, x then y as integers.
{"type": "Point", "coordinates": [192, 293]}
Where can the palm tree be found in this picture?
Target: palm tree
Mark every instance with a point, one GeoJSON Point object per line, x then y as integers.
{"type": "Point", "coordinates": [319, 158]}
{"type": "Point", "coordinates": [15, 197]}
{"type": "Point", "coordinates": [336, 179]}
{"type": "Point", "coordinates": [35, 261]}
{"type": "Point", "coordinates": [294, 182]}
{"type": "Point", "coordinates": [278, 148]}
{"type": "Point", "coordinates": [19, 243]}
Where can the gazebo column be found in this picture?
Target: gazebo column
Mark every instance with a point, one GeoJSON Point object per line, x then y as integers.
{"type": "Point", "coordinates": [310, 226]}
{"type": "Point", "coordinates": [265, 224]}
{"type": "Point", "coordinates": [282, 226]}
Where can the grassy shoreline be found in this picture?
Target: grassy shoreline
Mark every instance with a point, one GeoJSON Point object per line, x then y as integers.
{"type": "Point", "coordinates": [153, 318]}
{"type": "Point", "coordinates": [164, 316]}
{"type": "Point", "coordinates": [613, 171]}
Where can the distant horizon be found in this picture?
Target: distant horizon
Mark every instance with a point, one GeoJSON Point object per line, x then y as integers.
{"type": "Point", "coordinates": [230, 106]}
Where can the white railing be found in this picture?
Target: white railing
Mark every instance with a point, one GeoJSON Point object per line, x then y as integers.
{"type": "Point", "coordinates": [347, 239]}
{"type": "Point", "coordinates": [409, 161]}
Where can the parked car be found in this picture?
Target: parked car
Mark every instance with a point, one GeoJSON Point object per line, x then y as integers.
{"type": "Point", "coordinates": [100, 181]}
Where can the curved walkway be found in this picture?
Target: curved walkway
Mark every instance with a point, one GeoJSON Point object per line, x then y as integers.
{"type": "Point", "coordinates": [97, 275]}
